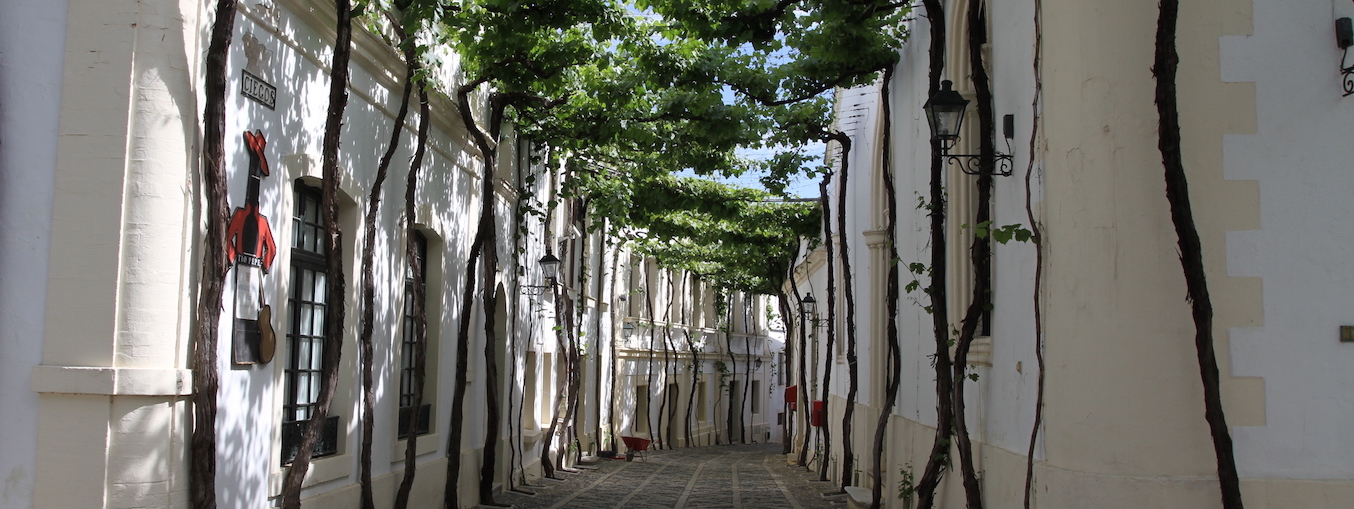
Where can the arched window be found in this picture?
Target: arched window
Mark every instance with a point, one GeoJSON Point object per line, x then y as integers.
{"type": "Point", "coordinates": [308, 314]}
{"type": "Point", "coordinates": [409, 341]}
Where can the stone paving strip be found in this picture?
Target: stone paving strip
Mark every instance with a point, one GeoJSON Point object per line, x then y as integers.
{"type": "Point", "coordinates": [717, 477]}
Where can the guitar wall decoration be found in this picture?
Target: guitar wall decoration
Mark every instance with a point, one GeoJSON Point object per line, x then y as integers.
{"type": "Point", "coordinates": [250, 246]}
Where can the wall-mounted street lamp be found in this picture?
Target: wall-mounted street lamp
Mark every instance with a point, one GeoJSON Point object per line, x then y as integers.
{"type": "Point", "coordinates": [945, 114]}
{"type": "Point", "coordinates": [549, 268]}
{"type": "Point", "coordinates": [549, 274]}
{"type": "Point", "coordinates": [808, 306]}
{"type": "Point", "coordinates": [1344, 38]}
{"type": "Point", "coordinates": [628, 329]}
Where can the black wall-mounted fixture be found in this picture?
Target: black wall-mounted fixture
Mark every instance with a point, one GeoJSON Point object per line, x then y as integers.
{"type": "Point", "coordinates": [1344, 38]}
{"type": "Point", "coordinates": [945, 114]}
{"type": "Point", "coordinates": [549, 273]}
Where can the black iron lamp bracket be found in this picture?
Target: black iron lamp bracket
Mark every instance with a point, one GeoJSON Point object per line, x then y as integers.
{"type": "Point", "coordinates": [1344, 38]}
{"type": "Point", "coordinates": [971, 163]}
{"type": "Point", "coordinates": [1347, 75]}
{"type": "Point", "coordinates": [534, 290]}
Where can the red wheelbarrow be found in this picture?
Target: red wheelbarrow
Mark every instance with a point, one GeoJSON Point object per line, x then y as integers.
{"type": "Point", "coordinates": [636, 447]}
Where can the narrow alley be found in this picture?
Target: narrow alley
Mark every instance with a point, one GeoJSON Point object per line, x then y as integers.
{"type": "Point", "coordinates": [740, 476]}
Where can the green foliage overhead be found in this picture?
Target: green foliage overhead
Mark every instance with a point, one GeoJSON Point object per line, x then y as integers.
{"type": "Point", "coordinates": [730, 236]}
{"type": "Point", "coordinates": [631, 92]}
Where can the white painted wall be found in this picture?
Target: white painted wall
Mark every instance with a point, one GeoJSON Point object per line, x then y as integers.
{"type": "Point", "coordinates": [32, 48]}
{"type": "Point", "coordinates": [1001, 403]}
{"type": "Point", "coordinates": [1301, 157]}
{"type": "Point", "coordinates": [296, 60]}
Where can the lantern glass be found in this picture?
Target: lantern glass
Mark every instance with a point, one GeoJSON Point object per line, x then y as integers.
{"type": "Point", "coordinates": [808, 306]}
{"type": "Point", "coordinates": [945, 112]}
{"type": "Point", "coordinates": [550, 268]}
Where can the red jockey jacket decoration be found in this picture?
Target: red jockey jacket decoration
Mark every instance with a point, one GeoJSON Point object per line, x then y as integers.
{"type": "Point", "coordinates": [250, 246]}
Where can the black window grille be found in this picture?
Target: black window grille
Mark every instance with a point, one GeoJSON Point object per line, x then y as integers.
{"type": "Point", "coordinates": [306, 328]}
{"type": "Point", "coordinates": [409, 341]}
{"type": "Point", "coordinates": [291, 439]}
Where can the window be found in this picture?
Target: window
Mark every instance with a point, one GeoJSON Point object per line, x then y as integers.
{"type": "Point", "coordinates": [306, 329]}
{"type": "Point", "coordinates": [963, 191]}
{"type": "Point", "coordinates": [782, 368]}
{"type": "Point", "coordinates": [641, 409]}
{"type": "Point", "coordinates": [409, 341]}
{"type": "Point", "coordinates": [701, 413]}
{"type": "Point", "coordinates": [529, 388]}
{"type": "Point", "coordinates": [674, 400]}
{"type": "Point", "coordinates": [757, 397]}
{"type": "Point", "coordinates": [547, 411]}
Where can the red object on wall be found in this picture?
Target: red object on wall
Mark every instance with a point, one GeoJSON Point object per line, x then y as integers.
{"type": "Point", "coordinates": [792, 396]}
{"type": "Point", "coordinates": [819, 416]}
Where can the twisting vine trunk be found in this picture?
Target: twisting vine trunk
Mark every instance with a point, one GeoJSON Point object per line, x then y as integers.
{"type": "Point", "coordinates": [848, 288]}
{"type": "Point", "coordinates": [547, 466]}
{"type": "Point", "coordinates": [743, 416]}
{"type": "Point", "coordinates": [894, 360]}
{"type": "Point", "coordinates": [419, 289]}
{"type": "Point", "coordinates": [783, 304]}
{"type": "Point", "coordinates": [787, 311]}
{"type": "Point", "coordinates": [672, 347]}
{"type": "Point", "coordinates": [980, 252]}
{"type": "Point", "coordinates": [364, 340]}
{"type": "Point", "coordinates": [577, 309]}
{"type": "Point", "coordinates": [825, 394]}
{"type": "Point", "coordinates": [611, 400]}
{"type": "Point", "coordinates": [664, 434]}
{"type": "Point", "coordinates": [514, 404]}
{"type": "Point", "coordinates": [571, 327]}
{"type": "Point", "coordinates": [1191, 248]}
{"type": "Point", "coordinates": [333, 240]}
{"type": "Point", "coordinates": [597, 339]}
{"type": "Point", "coordinates": [803, 391]}
{"type": "Point", "coordinates": [493, 414]}
{"type": "Point", "coordinates": [695, 366]}
{"type": "Point", "coordinates": [485, 240]}
{"type": "Point", "coordinates": [940, 449]}
{"type": "Point", "coordinates": [733, 366]}
{"type": "Point", "coordinates": [489, 225]}
{"type": "Point", "coordinates": [562, 347]}
{"type": "Point", "coordinates": [653, 340]}
{"type": "Point", "coordinates": [216, 210]}
{"type": "Point", "coordinates": [570, 381]}
{"type": "Point", "coordinates": [1037, 238]}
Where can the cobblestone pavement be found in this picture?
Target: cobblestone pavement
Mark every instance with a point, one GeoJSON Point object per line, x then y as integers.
{"type": "Point", "coordinates": [738, 476]}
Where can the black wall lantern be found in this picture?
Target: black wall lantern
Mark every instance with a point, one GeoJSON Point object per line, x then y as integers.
{"type": "Point", "coordinates": [808, 306]}
{"type": "Point", "coordinates": [945, 114]}
{"type": "Point", "coordinates": [549, 272]}
{"type": "Point", "coordinates": [549, 268]}
{"type": "Point", "coordinates": [1344, 38]}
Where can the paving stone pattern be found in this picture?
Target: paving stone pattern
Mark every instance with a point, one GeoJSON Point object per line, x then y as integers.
{"type": "Point", "coordinates": [726, 477]}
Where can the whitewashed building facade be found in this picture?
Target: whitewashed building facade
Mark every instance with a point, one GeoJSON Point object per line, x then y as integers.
{"type": "Point", "coordinates": [1262, 112]}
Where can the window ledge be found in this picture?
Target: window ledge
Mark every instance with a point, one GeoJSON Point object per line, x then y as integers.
{"type": "Point", "coordinates": [321, 470]}
{"type": "Point", "coordinates": [858, 497]}
{"type": "Point", "coordinates": [427, 443]}
{"type": "Point", "coordinates": [531, 436]}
